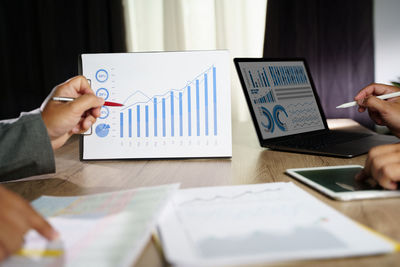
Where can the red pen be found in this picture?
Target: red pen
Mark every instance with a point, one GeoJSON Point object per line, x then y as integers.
{"type": "Point", "coordinates": [69, 99]}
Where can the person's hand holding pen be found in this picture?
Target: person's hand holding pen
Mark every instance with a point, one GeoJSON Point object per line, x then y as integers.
{"type": "Point", "coordinates": [383, 112]}
{"type": "Point", "coordinates": [383, 162]}
{"type": "Point", "coordinates": [63, 119]}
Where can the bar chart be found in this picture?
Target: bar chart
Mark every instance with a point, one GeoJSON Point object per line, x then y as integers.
{"type": "Point", "coordinates": [188, 111]}
{"type": "Point", "coordinates": [288, 75]}
{"type": "Point", "coordinates": [175, 104]}
{"type": "Point", "coordinates": [267, 98]}
{"type": "Point", "coordinates": [258, 78]}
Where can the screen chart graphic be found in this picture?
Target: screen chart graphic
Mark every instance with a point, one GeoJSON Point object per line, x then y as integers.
{"type": "Point", "coordinates": [175, 104]}
{"type": "Point", "coordinates": [282, 97]}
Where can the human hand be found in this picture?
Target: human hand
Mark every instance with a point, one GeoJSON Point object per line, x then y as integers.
{"type": "Point", "coordinates": [382, 112]}
{"type": "Point", "coordinates": [62, 120]}
{"type": "Point", "coordinates": [16, 218]}
{"type": "Point", "coordinates": [383, 165]}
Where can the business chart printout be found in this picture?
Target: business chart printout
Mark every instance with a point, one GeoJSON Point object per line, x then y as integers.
{"type": "Point", "coordinates": [260, 223]}
{"type": "Point", "coordinates": [103, 230]}
{"type": "Point", "coordinates": [175, 105]}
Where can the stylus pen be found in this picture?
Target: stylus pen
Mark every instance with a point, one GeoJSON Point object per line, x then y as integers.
{"type": "Point", "coordinates": [354, 103]}
{"type": "Point", "coordinates": [70, 99]}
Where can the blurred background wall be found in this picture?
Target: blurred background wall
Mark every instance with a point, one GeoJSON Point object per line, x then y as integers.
{"type": "Point", "coordinates": [40, 40]}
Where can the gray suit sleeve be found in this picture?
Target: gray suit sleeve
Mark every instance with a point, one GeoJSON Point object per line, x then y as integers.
{"type": "Point", "coordinates": [25, 147]}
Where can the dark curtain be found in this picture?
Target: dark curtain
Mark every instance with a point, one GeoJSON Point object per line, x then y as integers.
{"type": "Point", "coordinates": [335, 37]}
{"type": "Point", "coordinates": [41, 41]}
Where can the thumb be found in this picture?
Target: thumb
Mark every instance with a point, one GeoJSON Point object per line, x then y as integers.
{"type": "Point", "coordinates": [86, 102]}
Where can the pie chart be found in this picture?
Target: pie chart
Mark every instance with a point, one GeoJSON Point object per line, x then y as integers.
{"type": "Point", "coordinates": [102, 130]}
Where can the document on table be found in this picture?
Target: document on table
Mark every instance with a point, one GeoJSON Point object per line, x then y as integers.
{"type": "Point", "coordinates": [247, 224]}
{"type": "Point", "coordinates": [108, 229]}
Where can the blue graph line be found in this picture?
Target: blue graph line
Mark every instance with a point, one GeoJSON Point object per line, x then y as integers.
{"type": "Point", "coordinates": [148, 99]}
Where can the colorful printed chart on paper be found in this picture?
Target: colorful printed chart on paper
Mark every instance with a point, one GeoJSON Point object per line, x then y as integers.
{"type": "Point", "coordinates": [176, 104]}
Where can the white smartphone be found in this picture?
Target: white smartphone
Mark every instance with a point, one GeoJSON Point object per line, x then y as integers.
{"type": "Point", "coordinates": [338, 182]}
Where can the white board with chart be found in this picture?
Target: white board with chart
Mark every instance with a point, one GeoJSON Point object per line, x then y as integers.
{"type": "Point", "coordinates": [175, 105]}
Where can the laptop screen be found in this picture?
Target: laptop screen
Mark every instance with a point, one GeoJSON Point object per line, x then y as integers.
{"type": "Point", "coordinates": [281, 96]}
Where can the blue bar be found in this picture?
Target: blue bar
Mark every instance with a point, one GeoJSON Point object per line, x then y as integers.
{"type": "Point", "coordinates": [206, 101]}
{"type": "Point", "coordinates": [287, 75]}
{"type": "Point", "coordinates": [261, 81]}
{"type": "Point", "coordinates": [215, 99]}
{"type": "Point", "coordinates": [189, 113]}
{"type": "Point", "coordinates": [299, 75]}
{"type": "Point", "coordinates": [146, 111]}
{"type": "Point", "coordinates": [251, 77]}
{"type": "Point", "coordinates": [138, 120]}
{"type": "Point", "coordinates": [121, 124]}
{"type": "Point", "coordinates": [180, 115]}
{"type": "Point", "coordinates": [278, 74]}
{"type": "Point", "coordinates": [304, 75]}
{"type": "Point", "coordinates": [265, 82]}
{"type": "Point", "coordinates": [292, 75]}
{"type": "Point", "coordinates": [198, 107]}
{"type": "Point", "coordinates": [296, 71]}
{"type": "Point", "coordinates": [130, 122]}
{"type": "Point", "coordinates": [155, 116]}
{"type": "Point", "coordinates": [282, 73]}
{"type": "Point", "coordinates": [163, 117]}
{"type": "Point", "coordinates": [269, 99]}
{"type": "Point", "coordinates": [172, 113]}
{"type": "Point", "coordinates": [266, 77]}
{"type": "Point", "coordinates": [271, 70]}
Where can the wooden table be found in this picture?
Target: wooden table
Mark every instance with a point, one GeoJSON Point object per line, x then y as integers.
{"type": "Point", "coordinates": [250, 164]}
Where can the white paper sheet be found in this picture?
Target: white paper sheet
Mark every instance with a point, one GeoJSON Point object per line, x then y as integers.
{"type": "Point", "coordinates": [176, 104]}
{"type": "Point", "coordinates": [101, 230]}
{"type": "Point", "coordinates": [258, 223]}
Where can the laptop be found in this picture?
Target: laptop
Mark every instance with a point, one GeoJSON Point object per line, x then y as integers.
{"type": "Point", "coordinates": [287, 113]}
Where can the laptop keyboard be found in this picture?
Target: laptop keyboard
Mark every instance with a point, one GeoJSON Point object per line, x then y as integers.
{"type": "Point", "coordinates": [322, 140]}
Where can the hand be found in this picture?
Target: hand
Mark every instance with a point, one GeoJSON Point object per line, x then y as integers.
{"type": "Point", "coordinates": [383, 165]}
{"type": "Point", "coordinates": [63, 119]}
{"type": "Point", "coordinates": [382, 112]}
{"type": "Point", "coordinates": [16, 218]}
